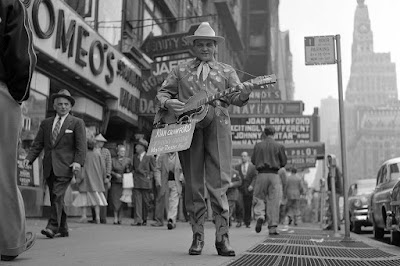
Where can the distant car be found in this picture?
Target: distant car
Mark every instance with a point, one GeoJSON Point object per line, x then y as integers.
{"type": "Point", "coordinates": [384, 207]}
{"type": "Point", "coordinates": [359, 198]}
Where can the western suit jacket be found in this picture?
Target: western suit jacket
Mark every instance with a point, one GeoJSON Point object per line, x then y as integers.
{"type": "Point", "coordinates": [162, 171]}
{"type": "Point", "coordinates": [70, 146]}
{"type": "Point", "coordinates": [143, 171]}
{"type": "Point", "coordinates": [246, 179]}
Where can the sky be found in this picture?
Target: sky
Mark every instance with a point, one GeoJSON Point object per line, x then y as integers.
{"type": "Point", "coordinates": [304, 18]}
{"type": "Point", "coordinates": [331, 17]}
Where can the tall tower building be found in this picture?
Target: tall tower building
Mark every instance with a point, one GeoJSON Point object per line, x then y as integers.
{"type": "Point", "coordinates": [372, 107]}
{"type": "Point", "coordinates": [373, 75]}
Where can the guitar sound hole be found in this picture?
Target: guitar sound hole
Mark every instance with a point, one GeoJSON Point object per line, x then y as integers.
{"type": "Point", "coordinates": [191, 112]}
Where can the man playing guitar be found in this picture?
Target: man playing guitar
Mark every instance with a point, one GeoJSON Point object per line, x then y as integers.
{"type": "Point", "coordinates": [208, 160]}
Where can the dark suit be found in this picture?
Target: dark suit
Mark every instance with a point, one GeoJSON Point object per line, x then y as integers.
{"type": "Point", "coordinates": [245, 199]}
{"type": "Point", "coordinates": [143, 174]}
{"type": "Point", "coordinates": [70, 146]}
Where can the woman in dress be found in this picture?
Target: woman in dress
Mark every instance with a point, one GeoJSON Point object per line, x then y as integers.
{"type": "Point", "coordinates": [120, 165]}
{"type": "Point", "coordinates": [90, 182]}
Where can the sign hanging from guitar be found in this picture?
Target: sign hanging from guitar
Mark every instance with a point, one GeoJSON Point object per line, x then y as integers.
{"type": "Point", "coordinates": [174, 133]}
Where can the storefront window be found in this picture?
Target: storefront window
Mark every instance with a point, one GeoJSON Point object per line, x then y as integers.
{"type": "Point", "coordinates": [33, 112]}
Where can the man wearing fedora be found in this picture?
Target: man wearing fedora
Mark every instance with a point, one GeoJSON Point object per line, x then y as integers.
{"type": "Point", "coordinates": [17, 63]}
{"type": "Point", "coordinates": [63, 139]}
{"type": "Point", "coordinates": [143, 174]}
{"type": "Point", "coordinates": [208, 160]}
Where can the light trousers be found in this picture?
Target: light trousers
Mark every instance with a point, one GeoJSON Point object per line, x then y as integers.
{"type": "Point", "coordinates": [267, 196]}
{"type": "Point", "coordinates": [173, 200]}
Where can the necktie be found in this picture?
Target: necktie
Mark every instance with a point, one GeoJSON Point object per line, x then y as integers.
{"type": "Point", "coordinates": [203, 68]}
{"type": "Point", "coordinates": [56, 130]}
{"type": "Point", "coordinates": [244, 170]}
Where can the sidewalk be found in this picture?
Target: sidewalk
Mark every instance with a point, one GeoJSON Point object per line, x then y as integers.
{"type": "Point", "coordinates": [309, 245]}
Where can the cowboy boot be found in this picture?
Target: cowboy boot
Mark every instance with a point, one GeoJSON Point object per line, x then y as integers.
{"type": "Point", "coordinates": [198, 235]}
{"type": "Point", "coordinates": [222, 239]}
{"type": "Point", "coordinates": [223, 247]}
{"type": "Point", "coordinates": [197, 245]}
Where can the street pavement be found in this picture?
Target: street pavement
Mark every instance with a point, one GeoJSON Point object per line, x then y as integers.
{"type": "Point", "coordinates": [98, 244]}
{"type": "Point", "coordinates": [108, 244]}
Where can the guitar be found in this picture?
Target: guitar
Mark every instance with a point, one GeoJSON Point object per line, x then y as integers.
{"type": "Point", "coordinates": [196, 107]}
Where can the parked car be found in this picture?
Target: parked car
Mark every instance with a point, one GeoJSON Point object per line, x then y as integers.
{"type": "Point", "coordinates": [359, 198]}
{"type": "Point", "coordinates": [384, 208]}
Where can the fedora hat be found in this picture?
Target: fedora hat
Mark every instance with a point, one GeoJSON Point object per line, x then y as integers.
{"type": "Point", "coordinates": [204, 32]}
{"type": "Point", "coordinates": [100, 138]}
{"type": "Point", "coordinates": [63, 94]}
{"type": "Point", "coordinates": [142, 142]}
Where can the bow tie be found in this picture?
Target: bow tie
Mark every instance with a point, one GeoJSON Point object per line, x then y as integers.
{"type": "Point", "coordinates": [203, 68]}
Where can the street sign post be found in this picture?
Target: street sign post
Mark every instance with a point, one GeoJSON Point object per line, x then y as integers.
{"type": "Point", "coordinates": [320, 50]}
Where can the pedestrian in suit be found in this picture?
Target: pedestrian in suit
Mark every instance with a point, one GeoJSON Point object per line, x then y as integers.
{"type": "Point", "coordinates": [268, 157]}
{"type": "Point", "coordinates": [168, 177]}
{"type": "Point", "coordinates": [233, 193]}
{"type": "Point", "coordinates": [17, 62]}
{"type": "Point", "coordinates": [143, 174]}
{"type": "Point", "coordinates": [63, 139]}
{"type": "Point", "coordinates": [294, 189]}
{"type": "Point", "coordinates": [247, 172]}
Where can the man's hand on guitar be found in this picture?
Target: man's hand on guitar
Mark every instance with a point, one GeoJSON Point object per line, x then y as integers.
{"type": "Point", "coordinates": [176, 105]}
{"type": "Point", "coordinates": [246, 88]}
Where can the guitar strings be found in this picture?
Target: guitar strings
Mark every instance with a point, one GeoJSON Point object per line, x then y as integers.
{"type": "Point", "coordinates": [251, 75]}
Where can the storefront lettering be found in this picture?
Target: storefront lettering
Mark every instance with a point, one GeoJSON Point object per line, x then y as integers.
{"type": "Point", "coordinates": [147, 106]}
{"type": "Point", "coordinates": [128, 101]}
{"type": "Point", "coordinates": [95, 53]}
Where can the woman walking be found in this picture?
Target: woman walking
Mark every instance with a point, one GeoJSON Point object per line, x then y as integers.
{"type": "Point", "coordinates": [91, 183]}
{"type": "Point", "coordinates": [120, 165]}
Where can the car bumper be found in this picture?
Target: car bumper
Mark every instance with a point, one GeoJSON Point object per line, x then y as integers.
{"type": "Point", "coordinates": [361, 216]}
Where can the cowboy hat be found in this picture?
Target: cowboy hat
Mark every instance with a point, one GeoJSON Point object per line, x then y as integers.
{"type": "Point", "coordinates": [100, 138]}
{"type": "Point", "coordinates": [63, 94]}
{"type": "Point", "coordinates": [204, 32]}
{"type": "Point", "coordinates": [142, 142]}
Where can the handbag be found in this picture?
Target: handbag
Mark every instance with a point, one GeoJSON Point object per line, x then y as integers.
{"type": "Point", "coordinates": [127, 180]}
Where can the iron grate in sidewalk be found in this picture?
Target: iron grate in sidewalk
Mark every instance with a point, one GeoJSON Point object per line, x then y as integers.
{"type": "Point", "coordinates": [285, 261]}
{"type": "Point", "coordinates": [254, 260]}
{"type": "Point", "coordinates": [279, 260]}
{"type": "Point", "coordinates": [267, 249]}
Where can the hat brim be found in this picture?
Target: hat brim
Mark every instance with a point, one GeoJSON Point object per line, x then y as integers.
{"type": "Point", "coordinates": [192, 38]}
{"type": "Point", "coordinates": [141, 143]}
{"type": "Point", "coordinates": [69, 98]}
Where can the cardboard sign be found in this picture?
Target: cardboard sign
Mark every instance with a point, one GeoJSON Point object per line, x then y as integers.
{"type": "Point", "coordinates": [171, 138]}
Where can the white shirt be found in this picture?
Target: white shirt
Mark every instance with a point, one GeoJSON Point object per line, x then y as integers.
{"type": "Point", "coordinates": [245, 166]}
{"type": "Point", "coordinates": [141, 155]}
{"type": "Point", "coordinates": [61, 122]}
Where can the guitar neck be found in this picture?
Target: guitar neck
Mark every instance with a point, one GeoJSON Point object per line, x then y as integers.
{"type": "Point", "coordinates": [270, 79]}
{"type": "Point", "coordinates": [216, 96]}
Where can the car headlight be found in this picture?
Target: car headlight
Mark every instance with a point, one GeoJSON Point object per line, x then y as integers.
{"type": "Point", "coordinates": [357, 203]}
